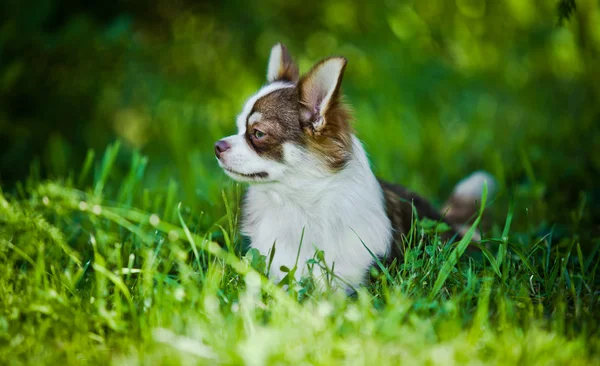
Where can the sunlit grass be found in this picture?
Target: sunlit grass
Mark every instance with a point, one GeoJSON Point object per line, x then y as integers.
{"type": "Point", "coordinates": [90, 278]}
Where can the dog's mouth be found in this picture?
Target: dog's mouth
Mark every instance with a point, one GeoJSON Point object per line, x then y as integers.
{"type": "Point", "coordinates": [259, 175]}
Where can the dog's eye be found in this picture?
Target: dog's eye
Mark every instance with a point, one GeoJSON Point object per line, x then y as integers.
{"type": "Point", "coordinates": [259, 134]}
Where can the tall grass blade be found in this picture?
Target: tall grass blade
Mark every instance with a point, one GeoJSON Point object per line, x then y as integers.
{"type": "Point", "coordinates": [459, 250]}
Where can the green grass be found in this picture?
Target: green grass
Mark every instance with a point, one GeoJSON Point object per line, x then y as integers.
{"type": "Point", "coordinates": [89, 279]}
{"type": "Point", "coordinates": [119, 236]}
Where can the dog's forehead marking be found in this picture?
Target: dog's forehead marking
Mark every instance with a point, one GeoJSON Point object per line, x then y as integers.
{"type": "Point", "coordinates": [255, 117]}
{"type": "Point", "coordinates": [266, 90]}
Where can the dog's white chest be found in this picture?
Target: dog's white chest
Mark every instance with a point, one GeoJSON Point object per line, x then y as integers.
{"type": "Point", "coordinates": [335, 223]}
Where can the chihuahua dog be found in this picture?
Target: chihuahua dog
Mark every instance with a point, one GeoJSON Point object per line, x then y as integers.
{"type": "Point", "coordinates": [311, 185]}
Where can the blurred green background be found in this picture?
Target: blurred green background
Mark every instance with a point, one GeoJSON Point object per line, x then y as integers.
{"type": "Point", "coordinates": [439, 88]}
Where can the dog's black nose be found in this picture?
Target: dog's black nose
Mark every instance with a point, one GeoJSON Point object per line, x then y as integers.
{"type": "Point", "coordinates": [220, 147]}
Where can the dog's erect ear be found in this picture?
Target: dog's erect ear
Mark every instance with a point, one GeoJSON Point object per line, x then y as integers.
{"type": "Point", "coordinates": [281, 66]}
{"type": "Point", "coordinates": [319, 90]}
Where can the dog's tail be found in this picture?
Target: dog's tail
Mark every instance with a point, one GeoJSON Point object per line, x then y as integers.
{"type": "Point", "coordinates": [462, 206]}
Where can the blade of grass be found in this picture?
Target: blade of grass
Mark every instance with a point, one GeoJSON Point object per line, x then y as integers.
{"type": "Point", "coordinates": [459, 250]}
{"type": "Point", "coordinates": [188, 235]}
{"type": "Point", "coordinates": [515, 248]}
{"type": "Point", "coordinates": [490, 257]}
{"type": "Point", "coordinates": [379, 264]}
{"type": "Point", "coordinates": [110, 155]}
{"type": "Point", "coordinates": [116, 280]}
{"type": "Point", "coordinates": [87, 166]}
{"type": "Point", "coordinates": [504, 244]}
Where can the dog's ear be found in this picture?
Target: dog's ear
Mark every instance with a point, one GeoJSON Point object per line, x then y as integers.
{"type": "Point", "coordinates": [319, 91]}
{"type": "Point", "coordinates": [281, 66]}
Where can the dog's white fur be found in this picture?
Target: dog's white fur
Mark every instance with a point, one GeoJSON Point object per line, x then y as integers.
{"type": "Point", "coordinates": [335, 210]}
{"type": "Point", "coordinates": [275, 62]}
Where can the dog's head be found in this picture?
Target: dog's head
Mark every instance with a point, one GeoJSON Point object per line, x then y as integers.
{"type": "Point", "coordinates": [292, 126]}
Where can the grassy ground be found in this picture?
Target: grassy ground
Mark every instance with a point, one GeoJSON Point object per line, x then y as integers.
{"type": "Point", "coordinates": [144, 288]}
{"type": "Point", "coordinates": [118, 231]}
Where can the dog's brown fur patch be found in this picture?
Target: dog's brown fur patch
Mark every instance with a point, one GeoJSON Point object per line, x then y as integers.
{"type": "Point", "coordinates": [399, 203]}
{"type": "Point", "coordinates": [288, 70]}
{"type": "Point", "coordinates": [333, 144]}
{"type": "Point", "coordinates": [333, 141]}
{"type": "Point", "coordinates": [279, 122]}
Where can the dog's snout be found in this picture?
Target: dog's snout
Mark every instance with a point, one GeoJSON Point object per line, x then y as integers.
{"type": "Point", "coordinates": [220, 147]}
